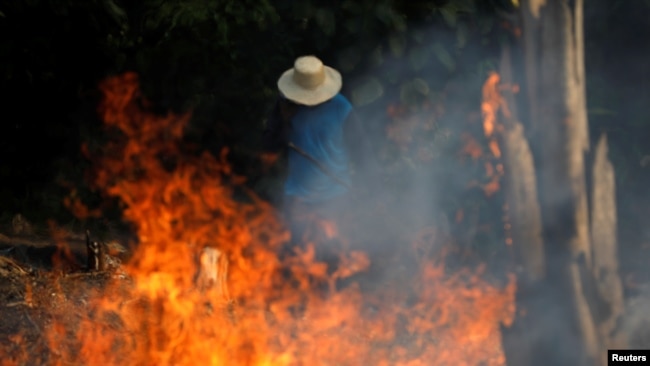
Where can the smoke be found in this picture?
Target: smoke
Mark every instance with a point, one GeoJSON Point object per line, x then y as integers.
{"type": "Point", "coordinates": [419, 110]}
{"type": "Point", "coordinates": [421, 194]}
{"type": "Point", "coordinates": [414, 113]}
{"type": "Point", "coordinates": [637, 319]}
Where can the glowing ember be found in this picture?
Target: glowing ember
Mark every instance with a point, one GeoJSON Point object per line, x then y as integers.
{"type": "Point", "coordinates": [180, 205]}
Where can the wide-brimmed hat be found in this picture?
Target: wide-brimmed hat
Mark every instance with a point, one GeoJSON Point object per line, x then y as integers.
{"type": "Point", "coordinates": [310, 82]}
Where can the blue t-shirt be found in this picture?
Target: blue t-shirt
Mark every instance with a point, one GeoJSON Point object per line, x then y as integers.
{"type": "Point", "coordinates": [318, 131]}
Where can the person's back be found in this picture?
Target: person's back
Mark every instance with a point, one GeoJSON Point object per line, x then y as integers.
{"type": "Point", "coordinates": [318, 131]}
{"type": "Point", "coordinates": [317, 127]}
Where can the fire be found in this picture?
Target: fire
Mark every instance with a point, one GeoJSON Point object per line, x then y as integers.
{"type": "Point", "coordinates": [253, 312]}
{"type": "Point", "coordinates": [471, 147]}
{"type": "Point", "coordinates": [492, 104]}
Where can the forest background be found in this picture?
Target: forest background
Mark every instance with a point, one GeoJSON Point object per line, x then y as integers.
{"type": "Point", "coordinates": [414, 71]}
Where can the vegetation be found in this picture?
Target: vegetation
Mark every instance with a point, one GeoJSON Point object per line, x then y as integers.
{"type": "Point", "coordinates": [400, 59]}
{"type": "Point", "coordinates": [217, 58]}
{"type": "Point", "coordinates": [413, 70]}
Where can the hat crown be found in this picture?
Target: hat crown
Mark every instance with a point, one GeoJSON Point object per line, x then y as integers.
{"type": "Point", "coordinates": [309, 82]}
{"type": "Point", "coordinates": [309, 72]}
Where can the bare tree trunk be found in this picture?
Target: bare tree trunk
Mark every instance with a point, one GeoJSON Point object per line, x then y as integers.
{"type": "Point", "coordinates": [573, 308]}
{"type": "Point", "coordinates": [604, 245]}
{"type": "Point", "coordinates": [562, 124]}
{"type": "Point", "coordinates": [525, 222]}
{"type": "Point", "coordinates": [521, 186]}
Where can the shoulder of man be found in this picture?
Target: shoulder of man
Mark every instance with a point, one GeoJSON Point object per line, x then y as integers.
{"type": "Point", "coordinates": [342, 104]}
{"type": "Point", "coordinates": [342, 100]}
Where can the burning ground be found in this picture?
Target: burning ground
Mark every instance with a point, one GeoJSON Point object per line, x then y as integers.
{"type": "Point", "coordinates": [204, 285]}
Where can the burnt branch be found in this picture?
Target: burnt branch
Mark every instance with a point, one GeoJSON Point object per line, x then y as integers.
{"type": "Point", "coordinates": [95, 251]}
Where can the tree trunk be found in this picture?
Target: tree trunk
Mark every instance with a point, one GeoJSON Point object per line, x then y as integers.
{"type": "Point", "coordinates": [553, 46]}
{"type": "Point", "coordinates": [604, 246]}
{"type": "Point", "coordinates": [521, 187]}
{"type": "Point", "coordinates": [572, 307]}
{"type": "Point", "coordinates": [524, 218]}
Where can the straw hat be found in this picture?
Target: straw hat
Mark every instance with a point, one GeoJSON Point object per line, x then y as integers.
{"type": "Point", "coordinates": [310, 82]}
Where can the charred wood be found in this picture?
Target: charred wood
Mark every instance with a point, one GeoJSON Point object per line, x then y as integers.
{"type": "Point", "coordinates": [95, 253]}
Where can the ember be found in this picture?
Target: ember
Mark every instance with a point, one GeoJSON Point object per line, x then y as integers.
{"type": "Point", "coordinates": [248, 311]}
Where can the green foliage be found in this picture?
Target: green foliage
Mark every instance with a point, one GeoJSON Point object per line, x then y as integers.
{"type": "Point", "coordinates": [222, 59]}
{"type": "Point", "coordinates": [226, 16]}
{"type": "Point", "coordinates": [202, 41]}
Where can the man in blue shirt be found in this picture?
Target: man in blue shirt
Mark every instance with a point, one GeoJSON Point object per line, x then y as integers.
{"type": "Point", "coordinates": [323, 137]}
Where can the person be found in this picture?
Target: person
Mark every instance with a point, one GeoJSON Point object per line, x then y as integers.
{"type": "Point", "coordinates": [323, 138]}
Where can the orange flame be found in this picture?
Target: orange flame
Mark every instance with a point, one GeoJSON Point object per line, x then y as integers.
{"type": "Point", "coordinates": [180, 205]}
{"type": "Point", "coordinates": [492, 104]}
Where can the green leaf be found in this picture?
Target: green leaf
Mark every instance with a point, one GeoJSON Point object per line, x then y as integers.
{"type": "Point", "coordinates": [444, 56]}
{"type": "Point", "coordinates": [462, 35]}
{"type": "Point", "coordinates": [420, 86]}
{"type": "Point", "coordinates": [326, 21]}
{"type": "Point", "coordinates": [397, 43]}
{"type": "Point", "coordinates": [485, 25]}
{"type": "Point", "coordinates": [399, 23]}
{"type": "Point", "coordinates": [367, 92]}
{"type": "Point", "coordinates": [349, 58]}
{"type": "Point", "coordinates": [302, 9]}
{"type": "Point", "coordinates": [418, 36]}
{"type": "Point", "coordinates": [352, 25]}
{"type": "Point", "coordinates": [385, 14]}
{"type": "Point", "coordinates": [449, 15]}
{"type": "Point", "coordinates": [376, 57]}
{"type": "Point", "coordinates": [413, 91]}
{"type": "Point", "coordinates": [392, 76]}
{"type": "Point", "coordinates": [418, 57]}
{"type": "Point", "coordinates": [351, 6]}
{"type": "Point", "coordinates": [118, 14]}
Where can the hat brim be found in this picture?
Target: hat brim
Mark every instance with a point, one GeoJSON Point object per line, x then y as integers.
{"type": "Point", "coordinates": [310, 97]}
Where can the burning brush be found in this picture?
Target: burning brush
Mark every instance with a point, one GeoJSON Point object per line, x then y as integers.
{"type": "Point", "coordinates": [203, 255]}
